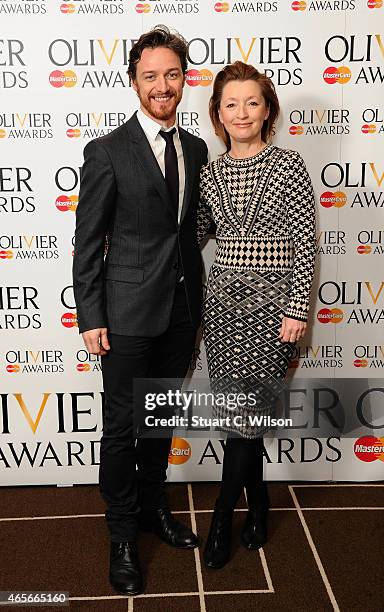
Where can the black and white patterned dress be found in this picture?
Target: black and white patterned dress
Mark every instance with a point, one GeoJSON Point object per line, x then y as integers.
{"type": "Point", "coordinates": [263, 208]}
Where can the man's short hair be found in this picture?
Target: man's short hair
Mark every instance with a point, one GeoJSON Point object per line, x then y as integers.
{"type": "Point", "coordinates": [159, 36]}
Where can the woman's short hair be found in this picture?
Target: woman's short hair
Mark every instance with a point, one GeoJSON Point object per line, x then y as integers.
{"type": "Point", "coordinates": [238, 71]}
{"type": "Point", "coordinates": [159, 36]}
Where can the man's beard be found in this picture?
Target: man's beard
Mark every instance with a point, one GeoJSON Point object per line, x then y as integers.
{"type": "Point", "coordinates": [162, 112]}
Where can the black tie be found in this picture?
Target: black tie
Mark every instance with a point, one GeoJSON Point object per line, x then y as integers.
{"type": "Point", "coordinates": [171, 168]}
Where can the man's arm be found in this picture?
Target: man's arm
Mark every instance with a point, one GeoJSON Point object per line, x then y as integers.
{"type": "Point", "coordinates": [94, 211]}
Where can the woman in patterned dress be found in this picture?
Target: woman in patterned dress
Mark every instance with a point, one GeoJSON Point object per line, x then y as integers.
{"type": "Point", "coordinates": [261, 200]}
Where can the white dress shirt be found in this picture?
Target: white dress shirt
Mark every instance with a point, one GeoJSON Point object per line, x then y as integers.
{"type": "Point", "coordinates": [151, 129]}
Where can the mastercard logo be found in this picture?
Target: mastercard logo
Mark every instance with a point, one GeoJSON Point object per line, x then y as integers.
{"type": "Point", "coordinates": [3, 134]}
{"type": "Point", "coordinates": [67, 9]}
{"type": "Point", "coordinates": [69, 319]}
{"type": "Point", "coordinates": [202, 77]}
{"type": "Point", "coordinates": [221, 7]}
{"type": "Point", "coordinates": [299, 6]}
{"type": "Point", "coordinates": [360, 363]}
{"type": "Point", "coordinates": [330, 315]}
{"type": "Point", "coordinates": [143, 8]}
{"type": "Point", "coordinates": [6, 254]}
{"type": "Point", "coordinates": [333, 198]}
{"type": "Point", "coordinates": [372, 4]}
{"type": "Point", "coordinates": [369, 448]}
{"type": "Point", "coordinates": [73, 133]}
{"type": "Point", "coordinates": [83, 367]}
{"type": "Point", "coordinates": [64, 203]}
{"type": "Point", "coordinates": [368, 128]}
{"type": "Point", "coordinates": [340, 75]}
{"type": "Point", "coordinates": [12, 369]}
{"type": "Point", "coordinates": [364, 249]}
{"type": "Point", "coordinates": [68, 78]}
{"type": "Point", "coordinates": [296, 130]}
{"type": "Point", "coordinates": [180, 451]}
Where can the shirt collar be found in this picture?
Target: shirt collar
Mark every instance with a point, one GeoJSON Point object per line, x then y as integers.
{"type": "Point", "coordinates": [151, 127]}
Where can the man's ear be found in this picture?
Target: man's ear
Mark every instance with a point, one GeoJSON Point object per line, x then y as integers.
{"type": "Point", "coordinates": [134, 85]}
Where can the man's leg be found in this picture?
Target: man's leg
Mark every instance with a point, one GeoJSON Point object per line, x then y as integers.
{"type": "Point", "coordinates": [129, 357]}
{"type": "Point", "coordinates": [172, 352]}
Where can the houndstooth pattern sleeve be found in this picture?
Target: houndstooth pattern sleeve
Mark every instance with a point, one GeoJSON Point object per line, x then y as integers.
{"type": "Point", "coordinates": [204, 211]}
{"type": "Point", "coordinates": [300, 202]}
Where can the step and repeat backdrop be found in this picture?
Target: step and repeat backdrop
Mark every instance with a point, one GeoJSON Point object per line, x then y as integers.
{"type": "Point", "coordinates": [63, 82]}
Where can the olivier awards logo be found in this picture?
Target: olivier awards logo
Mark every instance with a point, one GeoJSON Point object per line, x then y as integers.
{"type": "Point", "coordinates": [368, 356]}
{"type": "Point", "coordinates": [93, 124]}
{"type": "Point", "coordinates": [24, 247]}
{"type": "Point", "coordinates": [43, 361]}
{"type": "Point", "coordinates": [365, 51]}
{"type": "Point", "coordinates": [323, 6]}
{"type": "Point", "coordinates": [16, 190]}
{"type": "Point", "coordinates": [319, 122]}
{"type": "Point", "coordinates": [25, 126]}
{"type": "Point", "coordinates": [89, 7]}
{"type": "Point", "coordinates": [20, 7]}
{"type": "Point", "coordinates": [246, 7]}
{"type": "Point", "coordinates": [167, 7]}
{"type": "Point", "coordinates": [359, 178]}
{"type": "Point", "coordinates": [370, 242]}
{"type": "Point", "coordinates": [357, 303]}
{"type": "Point", "coordinates": [13, 62]}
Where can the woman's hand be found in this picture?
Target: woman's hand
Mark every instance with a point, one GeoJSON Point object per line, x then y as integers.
{"type": "Point", "coordinates": [292, 330]}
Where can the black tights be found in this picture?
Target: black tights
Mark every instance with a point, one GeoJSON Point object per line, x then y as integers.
{"type": "Point", "coordinates": [243, 467]}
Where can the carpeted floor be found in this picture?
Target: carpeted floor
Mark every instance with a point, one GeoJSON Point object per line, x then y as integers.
{"type": "Point", "coordinates": [325, 552]}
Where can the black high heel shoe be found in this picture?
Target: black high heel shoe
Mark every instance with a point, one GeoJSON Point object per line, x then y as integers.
{"type": "Point", "coordinates": [218, 547]}
{"type": "Point", "coordinates": [255, 530]}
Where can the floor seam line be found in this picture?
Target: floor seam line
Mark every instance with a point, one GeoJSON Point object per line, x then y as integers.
{"type": "Point", "coordinates": [314, 551]}
{"type": "Point", "coordinates": [199, 574]}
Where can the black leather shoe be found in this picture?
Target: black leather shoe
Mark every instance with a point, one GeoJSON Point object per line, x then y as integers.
{"type": "Point", "coordinates": [162, 523]}
{"type": "Point", "coordinates": [124, 570]}
{"type": "Point", "coordinates": [218, 546]}
{"type": "Point", "coordinates": [254, 534]}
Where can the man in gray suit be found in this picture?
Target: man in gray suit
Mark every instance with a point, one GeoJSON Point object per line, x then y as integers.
{"type": "Point", "coordinates": [140, 307]}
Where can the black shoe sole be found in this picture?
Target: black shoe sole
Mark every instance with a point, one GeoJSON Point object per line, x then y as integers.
{"type": "Point", "coordinates": [124, 592]}
{"type": "Point", "coordinates": [253, 546]}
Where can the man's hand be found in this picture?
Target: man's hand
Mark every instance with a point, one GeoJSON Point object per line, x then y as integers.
{"type": "Point", "coordinates": [292, 330]}
{"type": "Point", "coordinates": [96, 341]}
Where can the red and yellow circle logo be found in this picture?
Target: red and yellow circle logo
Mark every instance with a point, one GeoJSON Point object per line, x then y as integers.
{"type": "Point", "coordinates": [201, 77]}
{"type": "Point", "coordinates": [83, 367]}
{"type": "Point", "coordinates": [296, 130]}
{"type": "Point", "coordinates": [73, 133]}
{"type": "Point", "coordinates": [364, 249]}
{"type": "Point", "coordinates": [368, 128]}
{"type": "Point", "coordinates": [6, 254]}
{"type": "Point", "coordinates": [3, 134]}
{"type": "Point", "coordinates": [69, 319]}
{"type": "Point", "coordinates": [341, 75]}
{"type": "Point", "coordinates": [372, 4]}
{"type": "Point", "coordinates": [58, 78]}
{"type": "Point", "coordinates": [64, 203]}
{"type": "Point", "coordinates": [13, 368]}
{"type": "Point", "coordinates": [330, 315]}
{"type": "Point", "coordinates": [67, 9]}
{"type": "Point", "coordinates": [338, 199]}
{"type": "Point", "coordinates": [143, 8]}
{"type": "Point", "coordinates": [369, 448]}
{"type": "Point", "coordinates": [360, 363]}
{"type": "Point", "coordinates": [221, 7]}
{"type": "Point", "coordinates": [180, 451]}
{"type": "Point", "coordinates": [299, 5]}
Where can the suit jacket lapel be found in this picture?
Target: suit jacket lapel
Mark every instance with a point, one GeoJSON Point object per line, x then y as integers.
{"type": "Point", "coordinates": [188, 167]}
{"type": "Point", "coordinates": [147, 160]}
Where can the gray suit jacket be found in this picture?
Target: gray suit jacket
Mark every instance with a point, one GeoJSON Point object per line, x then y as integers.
{"type": "Point", "coordinates": [123, 195]}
